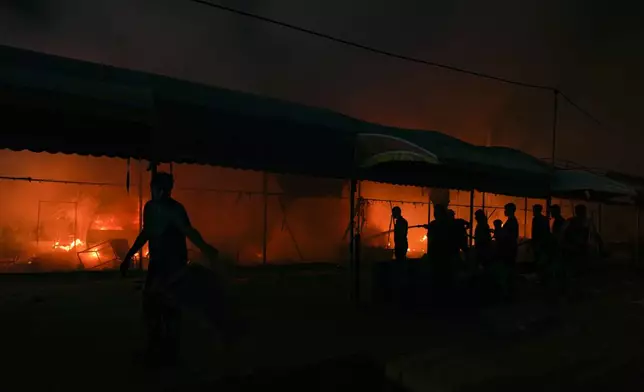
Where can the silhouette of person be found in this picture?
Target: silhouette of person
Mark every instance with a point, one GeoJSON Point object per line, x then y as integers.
{"type": "Point", "coordinates": [401, 227]}
{"type": "Point", "coordinates": [498, 228]}
{"type": "Point", "coordinates": [165, 228]}
{"type": "Point", "coordinates": [558, 221]}
{"type": "Point", "coordinates": [576, 237]}
{"type": "Point", "coordinates": [540, 233]}
{"type": "Point", "coordinates": [509, 245]}
{"type": "Point", "coordinates": [482, 238]}
{"type": "Point", "coordinates": [438, 234]}
{"type": "Point", "coordinates": [510, 234]}
{"type": "Point", "coordinates": [460, 228]}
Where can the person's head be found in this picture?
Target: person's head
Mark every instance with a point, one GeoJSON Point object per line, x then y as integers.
{"type": "Point", "coordinates": [498, 223]}
{"type": "Point", "coordinates": [451, 214]}
{"type": "Point", "coordinates": [510, 209]}
{"type": "Point", "coordinates": [396, 212]}
{"type": "Point", "coordinates": [580, 210]}
{"type": "Point", "coordinates": [537, 209]}
{"type": "Point", "coordinates": [480, 216]}
{"type": "Point", "coordinates": [161, 185]}
{"type": "Point", "coordinates": [440, 212]}
{"type": "Point", "coordinates": [555, 211]}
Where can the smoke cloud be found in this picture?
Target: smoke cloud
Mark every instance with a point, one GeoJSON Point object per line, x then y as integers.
{"type": "Point", "coordinates": [590, 51]}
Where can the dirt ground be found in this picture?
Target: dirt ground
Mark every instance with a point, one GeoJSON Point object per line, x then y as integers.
{"type": "Point", "coordinates": [83, 330]}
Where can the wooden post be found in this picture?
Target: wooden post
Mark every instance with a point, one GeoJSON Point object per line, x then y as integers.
{"type": "Point", "coordinates": [265, 231]}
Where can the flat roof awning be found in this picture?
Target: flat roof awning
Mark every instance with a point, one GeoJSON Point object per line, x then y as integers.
{"type": "Point", "coordinates": [62, 105]}
{"type": "Point", "coordinates": [582, 184]}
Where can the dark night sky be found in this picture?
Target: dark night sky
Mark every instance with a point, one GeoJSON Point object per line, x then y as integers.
{"type": "Point", "coordinates": [591, 50]}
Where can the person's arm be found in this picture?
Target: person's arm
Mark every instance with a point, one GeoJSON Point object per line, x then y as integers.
{"type": "Point", "coordinates": [142, 238]}
{"type": "Point", "coordinates": [181, 220]}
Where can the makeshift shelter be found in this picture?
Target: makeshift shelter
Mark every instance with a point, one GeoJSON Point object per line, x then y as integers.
{"type": "Point", "coordinates": [585, 185]}
{"type": "Point", "coordinates": [63, 105]}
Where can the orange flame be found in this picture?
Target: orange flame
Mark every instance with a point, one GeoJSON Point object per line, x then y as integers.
{"type": "Point", "coordinates": [68, 247]}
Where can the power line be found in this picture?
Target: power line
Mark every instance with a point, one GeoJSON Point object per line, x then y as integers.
{"type": "Point", "coordinates": [395, 55]}
{"type": "Point", "coordinates": [52, 181]}
{"type": "Point", "coordinates": [582, 110]}
{"type": "Point", "coordinates": [369, 48]}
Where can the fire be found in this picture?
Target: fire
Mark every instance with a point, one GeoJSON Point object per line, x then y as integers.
{"type": "Point", "coordinates": [106, 223]}
{"type": "Point", "coordinates": [72, 245]}
{"type": "Point", "coordinates": [146, 253]}
{"type": "Point", "coordinates": [423, 238]}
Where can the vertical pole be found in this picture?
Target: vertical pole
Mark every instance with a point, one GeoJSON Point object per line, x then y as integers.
{"type": "Point", "coordinates": [357, 245]}
{"type": "Point", "coordinates": [471, 217]}
{"type": "Point", "coordinates": [637, 235]}
{"type": "Point", "coordinates": [75, 222]}
{"type": "Point", "coordinates": [525, 218]}
{"type": "Point", "coordinates": [599, 219]}
{"type": "Point", "coordinates": [553, 151]}
{"type": "Point", "coordinates": [555, 115]}
{"type": "Point", "coordinates": [352, 230]}
{"type": "Point", "coordinates": [38, 225]}
{"type": "Point", "coordinates": [140, 210]}
{"type": "Point", "coordinates": [265, 231]}
{"type": "Point", "coordinates": [429, 217]}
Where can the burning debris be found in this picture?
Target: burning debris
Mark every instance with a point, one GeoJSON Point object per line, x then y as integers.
{"type": "Point", "coordinates": [73, 245]}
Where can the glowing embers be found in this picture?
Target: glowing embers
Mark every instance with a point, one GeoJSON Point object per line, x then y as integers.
{"type": "Point", "coordinates": [101, 256]}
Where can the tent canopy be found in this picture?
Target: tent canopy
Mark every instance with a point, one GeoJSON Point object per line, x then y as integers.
{"type": "Point", "coordinates": [583, 184]}
{"type": "Point", "coordinates": [62, 105]}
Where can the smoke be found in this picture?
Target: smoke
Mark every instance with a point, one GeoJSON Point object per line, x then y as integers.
{"type": "Point", "coordinates": [587, 50]}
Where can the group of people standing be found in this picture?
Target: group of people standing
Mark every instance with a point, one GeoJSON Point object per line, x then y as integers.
{"type": "Point", "coordinates": [557, 248]}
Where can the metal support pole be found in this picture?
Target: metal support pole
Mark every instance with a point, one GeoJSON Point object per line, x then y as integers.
{"type": "Point", "coordinates": [637, 235]}
{"type": "Point", "coordinates": [471, 217]}
{"type": "Point", "coordinates": [357, 251]}
{"type": "Point", "coordinates": [429, 218]}
{"type": "Point", "coordinates": [352, 231]}
{"type": "Point", "coordinates": [265, 231]}
{"type": "Point", "coordinates": [525, 218]}
{"type": "Point", "coordinates": [38, 225]}
{"type": "Point", "coordinates": [483, 201]}
{"type": "Point", "coordinates": [599, 219]}
{"type": "Point", "coordinates": [553, 151]}
{"type": "Point", "coordinates": [140, 210]}
{"type": "Point", "coordinates": [75, 223]}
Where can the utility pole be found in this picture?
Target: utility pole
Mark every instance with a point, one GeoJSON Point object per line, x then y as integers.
{"type": "Point", "coordinates": [553, 150]}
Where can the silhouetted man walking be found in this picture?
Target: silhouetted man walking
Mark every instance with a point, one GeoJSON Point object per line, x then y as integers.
{"type": "Point", "coordinates": [401, 227]}
{"type": "Point", "coordinates": [165, 227]}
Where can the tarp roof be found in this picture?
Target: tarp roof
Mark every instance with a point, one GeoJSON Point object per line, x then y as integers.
{"type": "Point", "coordinates": [584, 184]}
{"type": "Point", "coordinates": [68, 106]}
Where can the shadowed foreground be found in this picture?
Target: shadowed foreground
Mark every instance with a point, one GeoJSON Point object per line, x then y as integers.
{"type": "Point", "coordinates": [75, 331]}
